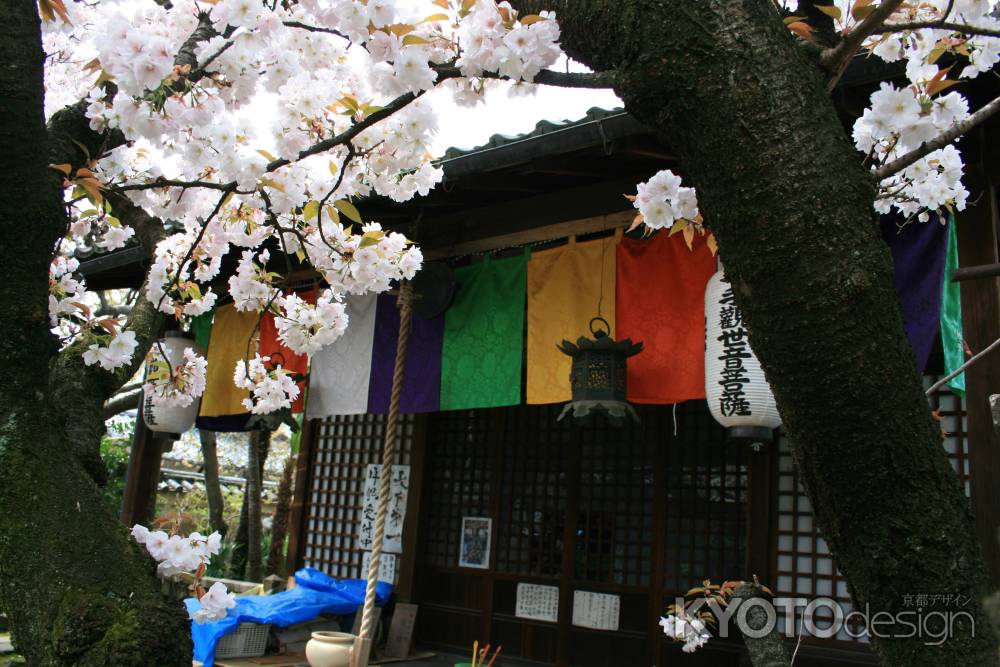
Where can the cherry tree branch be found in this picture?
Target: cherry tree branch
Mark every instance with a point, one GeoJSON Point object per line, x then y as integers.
{"type": "Point", "coordinates": [938, 142]}
{"type": "Point", "coordinates": [835, 60]}
{"type": "Point", "coordinates": [315, 28]}
{"type": "Point", "coordinates": [941, 25]}
{"type": "Point", "coordinates": [549, 77]}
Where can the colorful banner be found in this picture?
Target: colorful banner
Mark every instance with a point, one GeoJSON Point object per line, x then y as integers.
{"type": "Point", "coordinates": [481, 356]}
{"type": "Point", "coordinates": [339, 378]}
{"type": "Point", "coordinates": [918, 254]}
{"type": "Point", "coordinates": [201, 328]}
{"type": "Point", "coordinates": [661, 302]}
{"type": "Point", "coordinates": [231, 331]}
{"type": "Point", "coordinates": [271, 346]}
{"type": "Point", "coordinates": [952, 340]}
{"type": "Point", "coordinates": [422, 373]}
{"type": "Point", "coordinates": [566, 288]}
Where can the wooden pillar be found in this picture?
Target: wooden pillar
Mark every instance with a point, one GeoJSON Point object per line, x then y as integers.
{"type": "Point", "coordinates": [761, 491]}
{"type": "Point", "coordinates": [977, 244]}
{"type": "Point", "coordinates": [298, 528]}
{"type": "Point", "coordinates": [143, 474]}
{"type": "Point", "coordinates": [414, 500]}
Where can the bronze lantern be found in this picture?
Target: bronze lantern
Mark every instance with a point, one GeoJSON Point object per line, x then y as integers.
{"type": "Point", "coordinates": [599, 375]}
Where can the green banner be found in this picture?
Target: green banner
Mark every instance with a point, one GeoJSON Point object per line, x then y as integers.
{"type": "Point", "coordinates": [951, 315]}
{"type": "Point", "coordinates": [484, 335]}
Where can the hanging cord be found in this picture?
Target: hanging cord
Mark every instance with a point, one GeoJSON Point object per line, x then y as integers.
{"type": "Point", "coordinates": [388, 457]}
{"type": "Point", "coordinates": [675, 420]}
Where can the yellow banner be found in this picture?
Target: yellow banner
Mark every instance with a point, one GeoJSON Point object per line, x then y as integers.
{"type": "Point", "coordinates": [564, 288]}
{"type": "Point", "coordinates": [230, 331]}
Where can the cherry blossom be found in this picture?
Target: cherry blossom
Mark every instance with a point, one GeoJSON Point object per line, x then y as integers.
{"type": "Point", "coordinates": [175, 554]}
{"type": "Point", "coordinates": [272, 387]}
{"type": "Point", "coordinates": [175, 385]}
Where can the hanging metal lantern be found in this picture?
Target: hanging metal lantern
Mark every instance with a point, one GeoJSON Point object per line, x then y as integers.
{"type": "Point", "coordinates": [738, 395]}
{"type": "Point", "coordinates": [599, 375]}
{"type": "Point", "coordinates": [171, 422]}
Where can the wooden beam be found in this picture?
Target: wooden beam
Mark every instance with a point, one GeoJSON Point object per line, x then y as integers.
{"type": "Point", "coordinates": [974, 272]}
{"type": "Point", "coordinates": [977, 245]}
{"type": "Point", "coordinates": [542, 233]}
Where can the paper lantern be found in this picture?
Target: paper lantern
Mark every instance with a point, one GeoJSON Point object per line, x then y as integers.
{"type": "Point", "coordinates": [738, 395]}
{"type": "Point", "coordinates": [599, 375]}
{"type": "Point", "coordinates": [172, 421]}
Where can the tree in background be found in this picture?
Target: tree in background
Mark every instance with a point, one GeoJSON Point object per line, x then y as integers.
{"type": "Point", "coordinates": [161, 128]}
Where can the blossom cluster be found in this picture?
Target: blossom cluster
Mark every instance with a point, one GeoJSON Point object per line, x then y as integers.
{"type": "Point", "coordinates": [175, 384]}
{"type": "Point", "coordinates": [189, 112]}
{"type": "Point", "coordinates": [271, 386]}
{"type": "Point", "coordinates": [176, 554]}
{"type": "Point", "coordinates": [682, 627]}
{"type": "Point", "coordinates": [117, 351]}
{"type": "Point", "coordinates": [306, 328]}
{"type": "Point", "coordinates": [900, 120]}
{"type": "Point", "coordinates": [663, 201]}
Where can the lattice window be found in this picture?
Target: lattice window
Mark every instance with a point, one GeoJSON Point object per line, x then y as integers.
{"type": "Point", "coordinates": [531, 529]}
{"type": "Point", "coordinates": [804, 566]}
{"type": "Point", "coordinates": [460, 475]}
{"type": "Point", "coordinates": [614, 542]}
{"type": "Point", "coordinates": [706, 486]}
{"type": "Point", "coordinates": [343, 448]}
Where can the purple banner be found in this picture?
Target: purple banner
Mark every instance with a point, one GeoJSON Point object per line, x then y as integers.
{"type": "Point", "coordinates": [422, 375]}
{"type": "Point", "coordinates": [918, 253]}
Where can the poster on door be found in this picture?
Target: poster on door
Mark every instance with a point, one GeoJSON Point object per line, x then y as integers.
{"type": "Point", "coordinates": [399, 485]}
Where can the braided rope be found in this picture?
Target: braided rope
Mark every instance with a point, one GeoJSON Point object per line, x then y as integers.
{"type": "Point", "coordinates": [388, 456]}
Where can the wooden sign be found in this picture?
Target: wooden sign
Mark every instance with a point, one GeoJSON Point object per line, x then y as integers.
{"type": "Point", "coordinates": [404, 619]}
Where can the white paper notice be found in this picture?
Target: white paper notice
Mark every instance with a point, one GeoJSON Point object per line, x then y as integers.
{"type": "Point", "coordinates": [386, 567]}
{"type": "Point", "coordinates": [398, 487]}
{"type": "Point", "coordinates": [540, 603]}
{"type": "Point", "coordinates": [597, 611]}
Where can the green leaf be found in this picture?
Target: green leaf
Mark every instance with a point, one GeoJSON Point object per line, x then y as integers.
{"type": "Point", "coordinates": [310, 210]}
{"type": "Point", "coordinates": [348, 209]}
{"type": "Point", "coordinates": [832, 12]}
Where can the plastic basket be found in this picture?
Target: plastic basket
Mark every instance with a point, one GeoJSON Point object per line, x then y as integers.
{"type": "Point", "coordinates": [249, 641]}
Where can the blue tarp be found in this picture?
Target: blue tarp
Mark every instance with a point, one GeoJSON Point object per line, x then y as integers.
{"type": "Point", "coordinates": [315, 594]}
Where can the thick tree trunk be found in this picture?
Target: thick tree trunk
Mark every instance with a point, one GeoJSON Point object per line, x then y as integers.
{"type": "Point", "coordinates": [279, 523]}
{"type": "Point", "coordinates": [791, 204]}
{"type": "Point", "coordinates": [77, 591]}
{"type": "Point", "coordinates": [213, 490]}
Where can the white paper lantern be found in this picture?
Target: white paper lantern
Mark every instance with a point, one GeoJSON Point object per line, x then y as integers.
{"type": "Point", "coordinates": [738, 395]}
{"type": "Point", "coordinates": [172, 421]}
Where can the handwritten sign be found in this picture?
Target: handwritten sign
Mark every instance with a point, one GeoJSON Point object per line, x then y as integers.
{"type": "Point", "coordinates": [597, 611]}
{"type": "Point", "coordinates": [386, 567]}
{"type": "Point", "coordinates": [399, 485]}
{"type": "Point", "coordinates": [540, 603]}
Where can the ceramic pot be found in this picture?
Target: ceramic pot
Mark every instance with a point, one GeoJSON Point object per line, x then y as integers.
{"type": "Point", "coordinates": [329, 649]}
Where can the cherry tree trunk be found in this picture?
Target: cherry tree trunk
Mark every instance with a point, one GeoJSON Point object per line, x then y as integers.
{"type": "Point", "coordinates": [779, 181]}
{"type": "Point", "coordinates": [77, 591]}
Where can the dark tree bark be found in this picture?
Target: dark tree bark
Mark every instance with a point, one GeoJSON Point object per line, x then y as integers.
{"type": "Point", "coordinates": [255, 473]}
{"type": "Point", "coordinates": [213, 490]}
{"type": "Point", "coordinates": [279, 523]}
{"type": "Point", "coordinates": [239, 565]}
{"type": "Point", "coordinates": [791, 204]}
{"type": "Point", "coordinates": [77, 591]}
{"type": "Point", "coordinates": [768, 650]}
